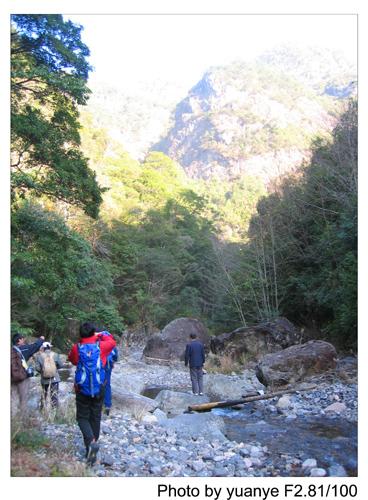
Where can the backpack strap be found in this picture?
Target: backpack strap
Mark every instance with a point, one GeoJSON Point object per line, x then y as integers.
{"type": "Point", "coordinates": [19, 351]}
{"type": "Point", "coordinates": [79, 346]}
{"type": "Point", "coordinates": [24, 362]}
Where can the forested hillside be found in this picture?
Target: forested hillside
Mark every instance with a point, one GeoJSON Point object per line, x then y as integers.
{"type": "Point", "coordinates": [134, 243]}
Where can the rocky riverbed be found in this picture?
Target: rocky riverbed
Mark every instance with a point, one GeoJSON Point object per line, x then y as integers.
{"type": "Point", "coordinates": [153, 436]}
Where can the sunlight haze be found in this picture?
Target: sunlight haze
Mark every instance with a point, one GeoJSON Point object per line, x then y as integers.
{"type": "Point", "coordinates": [131, 48]}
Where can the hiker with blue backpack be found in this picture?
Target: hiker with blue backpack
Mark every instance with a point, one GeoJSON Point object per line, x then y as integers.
{"type": "Point", "coordinates": [111, 359]}
{"type": "Point", "coordinates": [90, 355]}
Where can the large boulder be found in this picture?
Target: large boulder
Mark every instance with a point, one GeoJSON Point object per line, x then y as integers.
{"type": "Point", "coordinates": [296, 362]}
{"type": "Point", "coordinates": [128, 382]}
{"type": "Point", "coordinates": [221, 387]}
{"type": "Point", "coordinates": [132, 404]}
{"type": "Point", "coordinates": [66, 395]}
{"type": "Point", "coordinates": [255, 341]}
{"type": "Point", "coordinates": [175, 403]}
{"type": "Point", "coordinates": [170, 344]}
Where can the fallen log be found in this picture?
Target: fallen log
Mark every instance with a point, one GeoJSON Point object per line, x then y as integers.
{"type": "Point", "coordinates": [247, 399]}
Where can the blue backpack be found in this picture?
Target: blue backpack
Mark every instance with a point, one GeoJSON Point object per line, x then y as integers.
{"type": "Point", "coordinates": [90, 374]}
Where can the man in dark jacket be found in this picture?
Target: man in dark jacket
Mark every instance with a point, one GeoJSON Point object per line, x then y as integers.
{"type": "Point", "coordinates": [194, 356]}
{"type": "Point", "coordinates": [89, 408]}
{"type": "Point", "coordinates": [20, 388]}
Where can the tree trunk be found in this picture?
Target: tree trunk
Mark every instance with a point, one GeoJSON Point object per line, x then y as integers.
{"type": "Point", "coordinates": [245, 399]}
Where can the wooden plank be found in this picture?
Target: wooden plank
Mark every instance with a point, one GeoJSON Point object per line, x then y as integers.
{"type": "Point", "coordinates": [246, 399]}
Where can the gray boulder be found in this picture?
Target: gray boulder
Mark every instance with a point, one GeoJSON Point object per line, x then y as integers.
{"type": "Point", "coordinates": [254, 341]}
{"type": "Point", "coordinates": [175, 403]}
{"type": "Point", "coordinates": [132, 404]}
{"type": "Point", "coordinates": [170, 343]}
{"type": "Point", "coordinates": [66, 394]}
{"type": "Point", "coordinates": [222, 387]}
{"type": "Point", "coordinates": [128, 382]}
{"type": "Point", "coordinates": [197, 425]}
{"type": "Point", "coordinates": [294, 363]}
{"type": "Point", "coordinates": [160, 415]}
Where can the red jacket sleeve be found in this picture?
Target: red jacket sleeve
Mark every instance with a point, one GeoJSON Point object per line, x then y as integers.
{"type": "Point", "coordinates": [73, 355]}
{"type": "Point", "coordinates": [107, 344]}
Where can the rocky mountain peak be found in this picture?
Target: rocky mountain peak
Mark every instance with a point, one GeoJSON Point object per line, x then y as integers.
{"type": "Point", "coordinates": [258, 118]}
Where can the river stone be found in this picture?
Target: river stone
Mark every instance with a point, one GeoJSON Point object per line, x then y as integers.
{"type": "Point", "coordinates": [132, 404]}
{"type": "Point", "coordinates": [132, 382]}
{"type": "Point", "coordinates": [175, 403]}
{"type": "Point", "coordinates": [336, 408]}
{"type": "Point", "coordinates": [222, 387]}
{"type": "Point", "coordinates": [34, 395]}
{"type": "Point", "coordinates": [284, 403]}
{"type": "Point", "coordinates": [160, 415]}
{"type": "Point", "coordinates": [310, 463]}
{"type": "Point", "coordinates": [197, 425]}
{"type": "Point", "coordinates": [150, 419]}
{"type": "Point", "coordinates": [107, 460]}
{"type": "Point", "coordinates": [254, 341]}
{"type": "Point", "coordinates": [64, 360]}
{"type": "Point", "coordinates": [66, 394]}
{"type": "Point", "coordinates": [197, 465]}
{"type": "Point", "coordinates": [317, 472]}
{"type": "Point", "coordinates": [337, 471]}
{"type": "Point", "coordinates": [66, 390]}
{"type": "Point", "coordinates": [296, 362]}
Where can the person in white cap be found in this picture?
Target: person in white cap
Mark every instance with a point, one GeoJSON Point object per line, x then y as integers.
{"type": "Point", "coordinates": [47, 364]}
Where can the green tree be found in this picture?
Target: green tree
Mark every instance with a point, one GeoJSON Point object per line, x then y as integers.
{"type": "Point", "coordinates": [48, 81]}
{"type": "Point", "coordinates": [304, 239]}
{"type": "Point", "coordinates": [56, 275]}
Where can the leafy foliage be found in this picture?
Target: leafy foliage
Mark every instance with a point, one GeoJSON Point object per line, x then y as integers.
{"type": "Point", "coordinates": [48, 82]}
{"type": "Point", "coordinates": [55, 274]}
{"type": "Point", "coordinates": [304, 239]}
{"type": "Point", "coordinates": [151, 244]}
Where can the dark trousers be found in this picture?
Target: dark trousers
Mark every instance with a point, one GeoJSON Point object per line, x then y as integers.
{"type": "Point", "coordinates": [107, 398]}
{"type": "Point", "coordinates": [196, 376]}
{"type": "Point", "coordinates": [54, 392]}
{"type": "Point", "coordinates": [89, 416]}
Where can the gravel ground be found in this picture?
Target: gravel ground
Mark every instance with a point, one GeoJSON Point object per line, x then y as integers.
{"type": "Point", "coordinates": [131, 447]}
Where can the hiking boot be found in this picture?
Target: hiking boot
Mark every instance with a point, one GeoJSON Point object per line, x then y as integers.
{"type": "Point", "coordinates": [92, 453]}
{"type": "Point", "coordinates": [107, 411]}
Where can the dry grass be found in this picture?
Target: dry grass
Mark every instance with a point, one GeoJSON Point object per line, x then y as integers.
{"type": "Point", "coordinates": [222, 364]}
{"type": "Point", "coordinates": [35, 455]}
{"type": "Point", "coordinates": [63, 414]}
{"type": "Point", "coordinates": [227, 365]}
{"type": "Point", "coordinates": [52, 463]}
{"type": "Point", "coordinates": [139, 412]}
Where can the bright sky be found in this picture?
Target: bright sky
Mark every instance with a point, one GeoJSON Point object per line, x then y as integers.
{"type": "Point", "coordinates": [182, 47]}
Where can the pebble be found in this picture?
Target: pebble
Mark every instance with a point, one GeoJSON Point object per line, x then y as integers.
{"type": "Point", "coordinates": [129, 447]}
{"type": "Point", "coordinates": [283, 403]}
{"type": "Point", "coordinates": [336, 407]}
{"type": "Point", "coordinates": [309, 463]}
{"type": "Point", "coordinates": [317, 472]}
{"type": "Point", "coordinates": [337, 471]}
